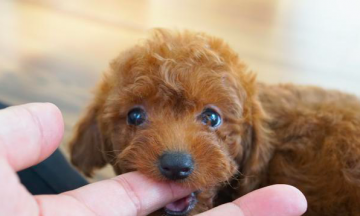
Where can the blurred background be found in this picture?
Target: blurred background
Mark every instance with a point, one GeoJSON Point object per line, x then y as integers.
{"type": "Point", "coordinates": [55, 51]}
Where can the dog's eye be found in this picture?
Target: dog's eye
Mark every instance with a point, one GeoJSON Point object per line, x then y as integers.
{"type": "Point", "coordinates": [136, 116]}
{"type": "Point", "coordinates": [211, 118]}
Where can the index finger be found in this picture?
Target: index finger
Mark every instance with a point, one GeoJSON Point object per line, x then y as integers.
{"type": "Point", "coordinates": [126, 195]}
{"type": "Point", "coordinates": [29, 133]}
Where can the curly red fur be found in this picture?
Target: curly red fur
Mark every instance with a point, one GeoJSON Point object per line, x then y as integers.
{"type": "Point", "coordinates": [304, 136]}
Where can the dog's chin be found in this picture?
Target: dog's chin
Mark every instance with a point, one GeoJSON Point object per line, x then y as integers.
{"type": "Point", "coordinates": [182, 206]}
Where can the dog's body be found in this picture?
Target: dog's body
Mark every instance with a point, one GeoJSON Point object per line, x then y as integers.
{"type": "Point", "coordinates": [188, 96]}
{"type": "Point", "coordinates": [316, 146]}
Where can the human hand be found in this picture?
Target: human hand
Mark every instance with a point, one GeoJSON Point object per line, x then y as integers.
{"type": "Point", "coordinates": [30, 133]}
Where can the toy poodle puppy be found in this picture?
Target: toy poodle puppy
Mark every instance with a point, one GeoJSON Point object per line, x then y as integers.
{"type": "Point", "coordinates": [181, 106]}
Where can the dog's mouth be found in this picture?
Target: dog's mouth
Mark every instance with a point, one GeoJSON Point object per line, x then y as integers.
{"type": "Point", "coordinates": [182, 206]}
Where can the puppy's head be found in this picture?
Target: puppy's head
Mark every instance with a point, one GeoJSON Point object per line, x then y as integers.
{"type": "Point", "coordinates": [179, 107]}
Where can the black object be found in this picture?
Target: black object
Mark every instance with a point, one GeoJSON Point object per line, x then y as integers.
{"type": "Point", "coordinates": [176, 165]}
{"type": "Point", "coordinates": [2, 106]}
{"type": "Point", "coordinates": [52, 176]}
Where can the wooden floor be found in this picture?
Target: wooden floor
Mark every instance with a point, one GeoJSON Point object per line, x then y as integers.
{"type": "Point", "coordinates": [53, 50]}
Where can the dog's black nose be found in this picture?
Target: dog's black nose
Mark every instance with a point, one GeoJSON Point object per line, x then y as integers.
{"type": "Point", "coordinates": [176, 165]}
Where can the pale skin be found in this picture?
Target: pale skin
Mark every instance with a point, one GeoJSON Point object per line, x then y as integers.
{"type": "Point", "coordinates": [30, 133]}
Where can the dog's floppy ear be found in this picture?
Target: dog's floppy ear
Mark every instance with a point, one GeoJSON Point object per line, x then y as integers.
{"type": "Point", "coordinates": [256, 141]}
{"type": "Point", "coordinates": [87, 145]}
{"type": "Point", "coordinates": [90, 147]}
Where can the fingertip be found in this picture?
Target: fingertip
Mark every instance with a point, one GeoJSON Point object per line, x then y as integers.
{"type": "Point", "coordinates": [153, 194]}
{"type": "Point", "coordinates": [274, 200]}
{"type": "Point", "coordinates": [300, 203]}
{"type": "Point", "coordinates": [30, 133]}
{"type": "Point", "coordinates": [293, 199]}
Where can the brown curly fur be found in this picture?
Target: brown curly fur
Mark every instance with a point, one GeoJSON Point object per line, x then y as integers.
{"type": "Point", "coordinates": [303, 136]}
